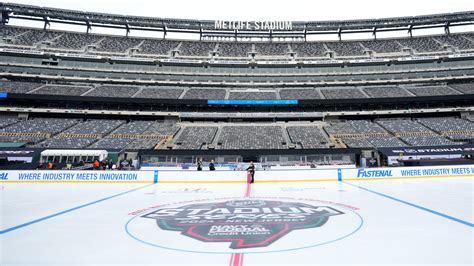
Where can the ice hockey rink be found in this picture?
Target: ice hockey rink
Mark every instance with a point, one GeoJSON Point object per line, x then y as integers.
{"type": "Point", "coordinates": [406, 221]}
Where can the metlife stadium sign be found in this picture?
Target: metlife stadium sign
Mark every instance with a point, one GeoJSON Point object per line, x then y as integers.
{"type": "Point", "coordinates": [252, 25]}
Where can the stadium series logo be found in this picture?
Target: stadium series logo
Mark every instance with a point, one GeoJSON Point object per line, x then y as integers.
{"type": "Point", "coordinates": [244, 223]}
{"type": "Point", "coordinates": [238, 223]}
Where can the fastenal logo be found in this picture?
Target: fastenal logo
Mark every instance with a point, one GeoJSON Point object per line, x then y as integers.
{"type": "Point", "coordinates": [249, 224]}
{"type": "Point", "coordinates": [374, 173]}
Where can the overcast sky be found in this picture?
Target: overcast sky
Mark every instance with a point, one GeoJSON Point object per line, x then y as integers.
{"type": "Point", "coordinates": [295, 10]}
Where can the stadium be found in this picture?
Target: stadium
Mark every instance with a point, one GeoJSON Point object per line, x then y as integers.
{"type": "Point", "coordinates": [132, 118]}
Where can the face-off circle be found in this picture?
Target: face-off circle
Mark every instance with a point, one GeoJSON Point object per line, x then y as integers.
{"type": "Point", "coordinates": [247, 225]}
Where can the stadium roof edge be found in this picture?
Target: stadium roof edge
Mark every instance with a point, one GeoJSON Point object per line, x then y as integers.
{"type": "Point", "coordinates": [207, 27]}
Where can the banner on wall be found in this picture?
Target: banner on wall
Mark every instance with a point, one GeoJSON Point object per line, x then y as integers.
{"type": "Point", "coordinates": [77, 176]}
{"type": "Point", "coordinates": [408, 172]}
{"type": "Point", "coordinates": [267, 176]}
{"type": "Point", "coordinates": [429, 150]}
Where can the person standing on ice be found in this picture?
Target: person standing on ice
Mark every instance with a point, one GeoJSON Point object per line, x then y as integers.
{"type": "Point", "coordinates": [211, 166]}
{"type": "Point", "coordinates": [199, 165]}
{"type": "Point", "coordinates": [251, 170]}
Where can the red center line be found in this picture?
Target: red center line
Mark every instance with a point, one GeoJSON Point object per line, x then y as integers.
{"type": "Point", "coordinates": [247, 190]}
{"type": "Point", "coordinates": [237, 259]}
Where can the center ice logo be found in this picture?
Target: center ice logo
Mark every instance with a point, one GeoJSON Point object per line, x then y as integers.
{"type": "Point", "coordinates": [243, 223]}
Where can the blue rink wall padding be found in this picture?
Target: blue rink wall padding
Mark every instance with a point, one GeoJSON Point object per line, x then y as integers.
{"type": "Point", "coordinates": [191, 176]}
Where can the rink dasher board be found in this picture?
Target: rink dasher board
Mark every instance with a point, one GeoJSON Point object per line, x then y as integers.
{"type": "Point", "coordinates": [408, 172]}
{"type": "Point", "coordinates": [71, 176]}
{"type": "Point", "coordinates": [264, 176]}
{"type": "Point", "coordinates": [156, 176]}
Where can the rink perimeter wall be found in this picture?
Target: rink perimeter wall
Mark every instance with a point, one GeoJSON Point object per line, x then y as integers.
{"type": "Point", "coordinates": [267, 176]}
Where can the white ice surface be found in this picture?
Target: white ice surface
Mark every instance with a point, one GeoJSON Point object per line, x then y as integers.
{"type": "Point", "coordinates": [392, 232]}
